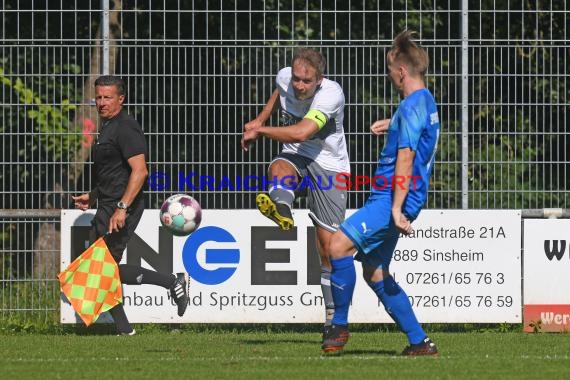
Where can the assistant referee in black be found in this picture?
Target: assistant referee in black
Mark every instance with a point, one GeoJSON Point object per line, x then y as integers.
{"type": "Point", "coordinates": [120, 170]}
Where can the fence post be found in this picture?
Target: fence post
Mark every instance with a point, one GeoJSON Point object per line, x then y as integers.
{"type": "Point", "coordinates": [105, 36]}
{"type": "Point", "coordinates": [464, 104]}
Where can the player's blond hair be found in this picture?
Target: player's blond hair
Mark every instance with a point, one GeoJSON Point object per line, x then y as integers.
{"type": "Point", "coordinates": [406, 51]}
{"type": "Point", "coordinates": [313, 58]}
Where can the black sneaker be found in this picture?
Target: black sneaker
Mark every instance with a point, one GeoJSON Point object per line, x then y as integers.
{"type": "Point", "coordinates": [179, 293]}
{"type": "Point", "coordinates": [280, 213]}
{"type": "Point", "coordinates": [425, 348]}
{"type": "Point", "coordinates": [334, 338]}
{"type": "Point", "coordinates": [326, 329]}
{"type": "Point", "coordinates": [133, 332]}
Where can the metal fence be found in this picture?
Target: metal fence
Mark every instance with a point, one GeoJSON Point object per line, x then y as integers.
{"type": "Point", "coordinates": [198, 70]}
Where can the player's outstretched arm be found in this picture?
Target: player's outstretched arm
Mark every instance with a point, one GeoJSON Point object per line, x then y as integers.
{"type": "Point", "coordinates": [295, 133]}
{"type": "Point", "coordinates": [249, 137]}
{"type": "Point", "coordinates": [265, 114]}
{"type": "Point", "coordinates": [380, 127]}
{"type": "Point", "coordinates": [250, 129]}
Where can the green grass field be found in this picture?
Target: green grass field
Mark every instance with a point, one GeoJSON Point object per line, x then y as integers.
{"type": "Point", "coordinates": [206, 353]}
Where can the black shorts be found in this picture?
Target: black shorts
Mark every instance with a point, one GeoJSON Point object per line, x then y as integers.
{"type": "Point", "coordinates": [116, 241]}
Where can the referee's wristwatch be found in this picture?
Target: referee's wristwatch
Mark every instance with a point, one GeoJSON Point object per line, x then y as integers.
{"type": "Point", "coordinates": [122, 205]}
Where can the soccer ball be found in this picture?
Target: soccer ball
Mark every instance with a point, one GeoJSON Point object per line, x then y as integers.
{"type": "Point", "coordinates": [180, 214]}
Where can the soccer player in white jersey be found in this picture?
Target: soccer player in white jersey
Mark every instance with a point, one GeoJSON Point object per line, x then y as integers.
{"type": "Point", "coordinates": [409, 152]}
{"type": "Point", "coordinates": [314, 156]}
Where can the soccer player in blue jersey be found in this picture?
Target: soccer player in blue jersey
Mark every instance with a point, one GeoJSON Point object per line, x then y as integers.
{"type": "Point", "coordinates": [409, 151]}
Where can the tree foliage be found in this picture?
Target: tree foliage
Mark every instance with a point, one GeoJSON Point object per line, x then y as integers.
{"type": "Point", "coordinates": [516, 121]}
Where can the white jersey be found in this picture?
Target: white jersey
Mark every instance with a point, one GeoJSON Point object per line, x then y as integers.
{"type": "Point", "coordinates": [327, 147]}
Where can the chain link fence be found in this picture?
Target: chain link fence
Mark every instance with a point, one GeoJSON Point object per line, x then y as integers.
{"type": "Point", "coordinates": [197, 71]}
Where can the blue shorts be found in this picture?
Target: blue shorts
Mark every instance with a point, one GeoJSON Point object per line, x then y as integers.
{"type": "Point", "coordinates": [373, 232]}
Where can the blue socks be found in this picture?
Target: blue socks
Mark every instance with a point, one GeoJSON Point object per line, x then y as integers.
{"type": "Point", "coordinates": [392, 296]}
{"type": "Point", "coordinates": [343, 279]}
{"type": "Point", "coordinates": [398, 306]}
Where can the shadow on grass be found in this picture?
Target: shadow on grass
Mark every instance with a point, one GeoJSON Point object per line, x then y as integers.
{"type": "Point", "coordinates": [276, 341]}
{"type": "Point", "coordinates": [106, 329]}
{"type": "Point", "coordinates": [49, 324]}
{"type": "Point", "coordinates": [360, 352]}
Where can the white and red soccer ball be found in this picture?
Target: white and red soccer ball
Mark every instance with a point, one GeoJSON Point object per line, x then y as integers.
{"type": "Point", "coordinates": [180, 214]}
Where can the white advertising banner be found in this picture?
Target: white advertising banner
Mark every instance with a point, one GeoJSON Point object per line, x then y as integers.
{"type": "Point", "coordinates": [462, 266]}
{"type": "Point", "coordinates": [459, 266]}
{"type": "Point", "coordinates": [546, 275]}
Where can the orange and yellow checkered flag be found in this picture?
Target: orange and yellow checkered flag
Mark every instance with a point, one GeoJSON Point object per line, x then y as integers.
{"type": "Point", "coordinates": [91, 282]}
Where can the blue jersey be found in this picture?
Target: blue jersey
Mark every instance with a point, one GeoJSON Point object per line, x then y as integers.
{"type": "Point", "coordinates": [415, 125]}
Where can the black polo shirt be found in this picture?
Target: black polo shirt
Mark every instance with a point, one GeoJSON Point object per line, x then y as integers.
{"type": "Point", "coordinates": [120, 138]}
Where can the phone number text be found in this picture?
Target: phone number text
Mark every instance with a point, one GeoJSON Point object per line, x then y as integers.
{"type": "Point", "coordinates": [452, 278]}
{"type": "Point", "coordinates": [461, 301]}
